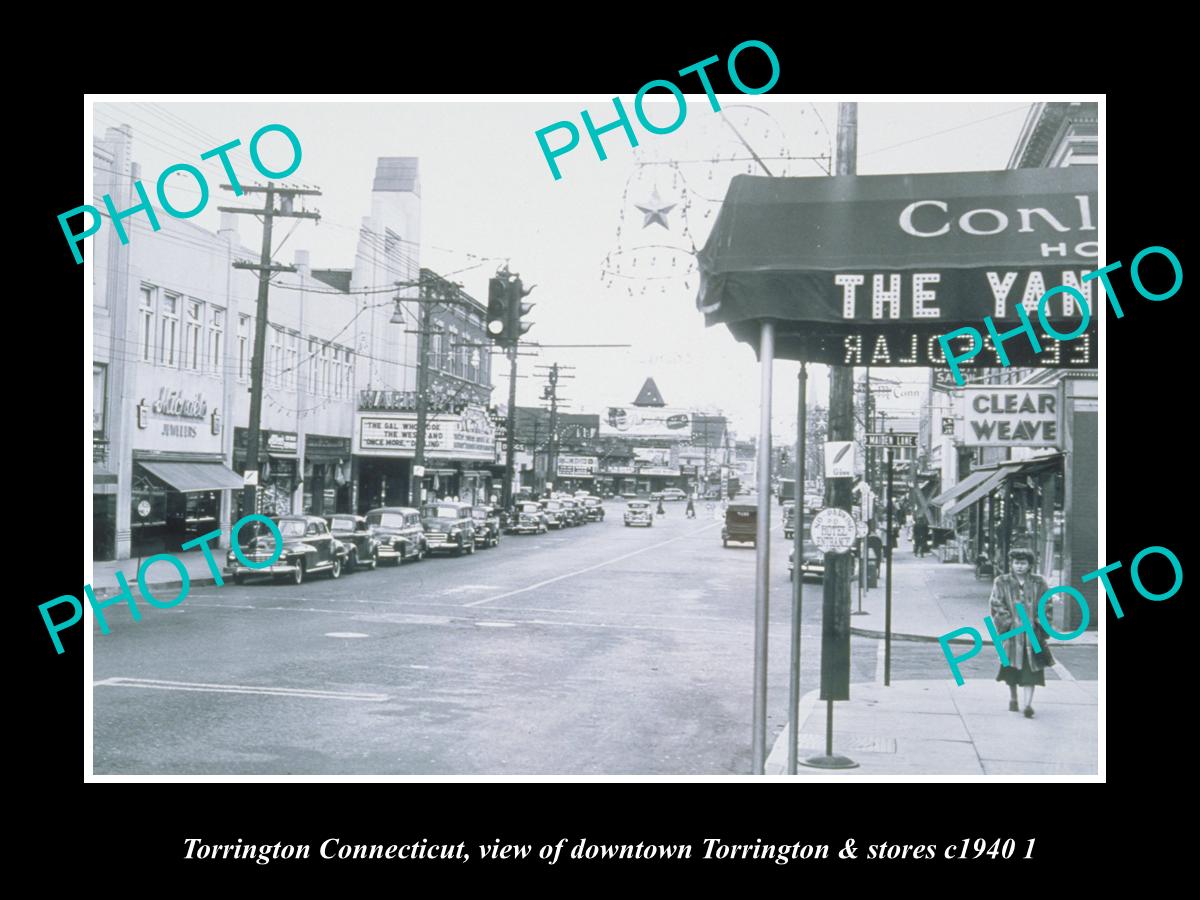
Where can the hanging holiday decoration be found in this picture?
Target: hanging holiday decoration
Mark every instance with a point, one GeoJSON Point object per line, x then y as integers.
{"type": "Point", "coordinates": [655, 210]}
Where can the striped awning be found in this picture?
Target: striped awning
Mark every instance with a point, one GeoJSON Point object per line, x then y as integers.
{"type": "Point", "coordinates": [187, 477]}
{"type": "Point", "coordinates": [962, 487]}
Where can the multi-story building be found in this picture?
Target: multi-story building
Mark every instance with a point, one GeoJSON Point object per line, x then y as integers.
{"type": "Point", "coordinates": [173, 336]}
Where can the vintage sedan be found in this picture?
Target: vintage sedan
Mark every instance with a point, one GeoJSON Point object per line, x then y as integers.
{"type": "Point", "coordinates": [529, 519]}
{"type": "Point", "coordinates": [308, 548]}
{"type": "Point", "coordinates": [448, 526]}
{"type": "Point", "coordinates": [487, 526]}
{"type": "Point", "coordinates": [556, 514]}
{"type": "Point", "coordinates": [593, 507]}
{"type": "Point", "coordinates": [638, 512]}
{"type": "Point", "coordinates": [401, 536]}
{"type": "Point", "coordinates": [574, 511]}
{"type": "Point", "coordinates": [362, 545]}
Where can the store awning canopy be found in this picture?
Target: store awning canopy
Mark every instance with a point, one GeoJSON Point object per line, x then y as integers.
{"type": "Point", "coordinates": [995, 477]}
{"type": "Point", "coordinates": [870, 269]}
{"type": "Point", "coordinates": [957, 490]}
{"type": "Point", "coordinates": [194, 476]}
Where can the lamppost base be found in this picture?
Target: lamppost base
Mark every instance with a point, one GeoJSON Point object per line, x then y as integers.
{"type": "Point", "coordinates": [860, 612]}
{"type": "Point", "coordinates": [829, 762]}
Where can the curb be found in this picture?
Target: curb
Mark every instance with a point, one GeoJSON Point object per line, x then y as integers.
{"type": "Point", "coordinates": [930, 639]}
{"type": "Point", "coordinates": [105, 593]}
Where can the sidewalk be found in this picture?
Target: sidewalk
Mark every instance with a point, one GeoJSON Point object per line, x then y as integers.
{"type": "Point", "coordinates": [939, 728]}
{"type": "Point", "coordinates": [162, 577]}
{"type": "Point", "coordinates": [929, 599]}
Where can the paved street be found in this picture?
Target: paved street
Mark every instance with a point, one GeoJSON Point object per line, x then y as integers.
{"type": "Point", "coordinates": [595, 650]}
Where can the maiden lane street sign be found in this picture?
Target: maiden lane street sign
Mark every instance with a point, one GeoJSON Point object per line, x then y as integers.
{"type": "Point", "coordinates": [870, 269]}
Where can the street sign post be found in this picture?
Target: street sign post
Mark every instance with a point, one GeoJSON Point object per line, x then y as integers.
{"type": "Point", "coordinates": [891, 439]}
{"type": "Point", "coordinates": [833, 530]}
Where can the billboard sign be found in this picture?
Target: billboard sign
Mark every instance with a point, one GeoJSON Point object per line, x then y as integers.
{"type": "Point", "coordinates": [635, 421]}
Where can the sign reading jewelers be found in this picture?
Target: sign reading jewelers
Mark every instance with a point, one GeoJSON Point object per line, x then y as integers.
{"type": "Point", "coordinates": [872, 269]}
{"type": "Point", "coordinates": [469, 435]}
{"type": "Point", "coordinates": [1010, 417]}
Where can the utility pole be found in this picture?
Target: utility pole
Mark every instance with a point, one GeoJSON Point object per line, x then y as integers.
{"type": "Point", "coordinates": [265, 269]}
{"type": "Point", "coordinates": [835, 625]}
{"type": "Point", "coordinates": [552, 463]}
{"type": "Point", "coordinates": [416, 481]}
{"type": "Point", "coordinates": [509, 458]}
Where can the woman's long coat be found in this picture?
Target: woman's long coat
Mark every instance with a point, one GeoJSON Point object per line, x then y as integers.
{"type": "Point", "coordinates": [1006, 591]}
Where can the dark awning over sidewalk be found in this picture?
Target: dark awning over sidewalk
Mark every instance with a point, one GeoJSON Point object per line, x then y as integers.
{"type": "Point", "coordinates": [194, 476]}
{"type": "Point", "coordinates": [871, 269]}
{"type": "Point", "coordinates": [995, 477]}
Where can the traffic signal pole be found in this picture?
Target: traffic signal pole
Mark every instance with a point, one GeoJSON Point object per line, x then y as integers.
{"type": "Point", "coordinates": [510, 443]}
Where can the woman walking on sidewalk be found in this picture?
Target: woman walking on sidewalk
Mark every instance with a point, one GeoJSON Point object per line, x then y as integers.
{"type": "Point", "coordinates": [1025, 667]}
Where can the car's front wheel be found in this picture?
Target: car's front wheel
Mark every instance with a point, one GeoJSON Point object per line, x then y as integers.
{"type": "Point", "coordinates": [374, 560]}
{"type": "Point", "coordinates": [298, 575]}
{"type": "Point", "coordinates": [336, 571]}
{"type": "Point", "coordinates": [352, 562]}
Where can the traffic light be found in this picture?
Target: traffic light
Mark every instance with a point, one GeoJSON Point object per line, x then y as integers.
{"type": "Point", "coordinates": [517, 310]}
{"type": "Point", "coordinates": [497, 314]}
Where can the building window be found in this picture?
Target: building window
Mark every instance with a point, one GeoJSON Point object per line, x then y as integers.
{"type": "Point", "coordinates": [293, 360]}
{"type": "Point", "coordinates": [192, 330]}
{"type": "Point", "coordinates": [275, 355]}
{"type": "Point", "coordinates": [146, 320]}
{"type": "Point", "coordinates": [168, 347]}
{"type": "Point", "coordinates": [243, 346]}
{"type": "Point", "coordinates": [348, 373]}
{"type": "Point", "coordinates": [325, 348]}
{"type": "Point", "coordinates": [312, 365]}
{"type": "Point", "coordinates": [216, 334]}
{"type": "Point", "coordinates": [99, 398]}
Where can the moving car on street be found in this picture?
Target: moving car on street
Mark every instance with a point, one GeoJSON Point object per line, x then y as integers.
{"type": "Point", "coordinates": [789, 519]}
{"type": "Point", "coordinates": [741, 522]}
{"type": "Point", "coordinates": [362, 546]}
{"type": "Point", "coordinates": [670, 494]}
{"type": "Point", "coordinates": [638, 512]}
{"type": "Point", "coordinates": [448, 526]}
{"type": "Point", "coordinates": [593, 507]}
{"type": "Point", "coordinates": [308, 548]}
{"type": "Point", "coordinates": [487, 526]}
{"type": "Point", "coordinates": [575, 513]}
{"type": "Point", "coordinates": [399, 531]}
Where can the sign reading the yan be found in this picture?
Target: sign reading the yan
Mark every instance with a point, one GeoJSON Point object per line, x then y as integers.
{"type": "Point", "coordinates": [870, 269]}
{"type": "Point", "coordinates": [1010, 417]}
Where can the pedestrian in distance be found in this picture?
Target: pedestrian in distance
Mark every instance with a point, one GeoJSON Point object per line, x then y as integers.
{"type": "Point", "coordinates": [920, 537]}
{"type": "Point", "coordinates": [1025, 668]}
{"type": "Point", "coordinates": [661, 511]}
{"type": "Point", "coordinates": [691, 508]}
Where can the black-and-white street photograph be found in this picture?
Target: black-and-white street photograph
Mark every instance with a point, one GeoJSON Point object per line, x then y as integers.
{"type": "Point", "coordinates": [437, 437]}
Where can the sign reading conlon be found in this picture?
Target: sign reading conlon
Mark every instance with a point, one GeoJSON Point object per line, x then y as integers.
{"type": "Point", "coordinates": [647, 421]}
{"type": "Point", "coordinates": [466, 436]}
{"type": "Point", "coordinates": [1010, 417]}
{"type": "Point", "coordinates": [576, 466]}
{"type": "Point", "coordinates": [872, 269]}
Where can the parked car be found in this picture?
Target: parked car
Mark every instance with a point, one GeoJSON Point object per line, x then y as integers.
{"type": "Point", "coordinates": [574, 511]}
{"type": "Point", "coordinates": [529, 519]}
{"type": "Point", "coordinates": [399, 531]}
{"type": "Point", "coordinates": [789, 519]}
{"type": "Point", "coordinates": [362, 545]}
{"type": "Point", "coordinates": [556, 514]}
{"type": "Point", "coordinates": [593, 507]}
{"type": "Point", "coordinates": [670, 494]}
{"type": "Point", "coordinates": [638, 512]}
{"type": "Point", "coordinates": [741, 522]}
{"type": "Point", "coordinates": [487, 526]}
{"type": "Point", "coordinates": [448, 526]}
{"type": "Point", "coordinates": [308, 548]}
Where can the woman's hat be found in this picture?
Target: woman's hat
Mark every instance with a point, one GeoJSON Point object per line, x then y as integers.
{"type": "Point", "coordinates": [1021, 553]}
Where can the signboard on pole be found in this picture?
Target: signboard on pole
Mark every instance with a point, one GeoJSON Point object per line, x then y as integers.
{"type": "Point", "coordinates": [1010, 417]}
{"type": "Point", "coordinates": [839, 459]}
{"type": "Point", "coordinates": [892, 439]}
{"type": "Point", "coordinates": [833, 530]}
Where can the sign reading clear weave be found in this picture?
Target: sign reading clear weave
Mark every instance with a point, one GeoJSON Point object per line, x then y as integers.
{"type": "Point", "coordinates": [1010, 417]}
{"type": "Point", "coordinates": [871, 269]}
{"type": "Point", "coordinates": [466, 436]}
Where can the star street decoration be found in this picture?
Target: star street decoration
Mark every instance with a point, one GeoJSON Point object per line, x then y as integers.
{"type": "Point", "coordinates": [655, 210]}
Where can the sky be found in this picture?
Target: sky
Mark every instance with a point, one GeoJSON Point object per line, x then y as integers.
{"type": "Point", "coordinates": [603, 274]}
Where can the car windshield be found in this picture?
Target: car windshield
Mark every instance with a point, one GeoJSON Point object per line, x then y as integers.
{"type": "Point", "coordinates": [291, 527]}
{"type": "Point", "coordinates": [553, 504]}
{"type": "Point", "coordinates": [591, 501]}
{"type": "Point", "coordinates": [479, 513]}
{"type": "Point", "coordinates": [440, 512]}
{"type": "Point", "coordinates": [343, 523]}
{"type": "Point", "coordinates": [386, 520]}
{"type": "Point", "coordinates": [530, 508]}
